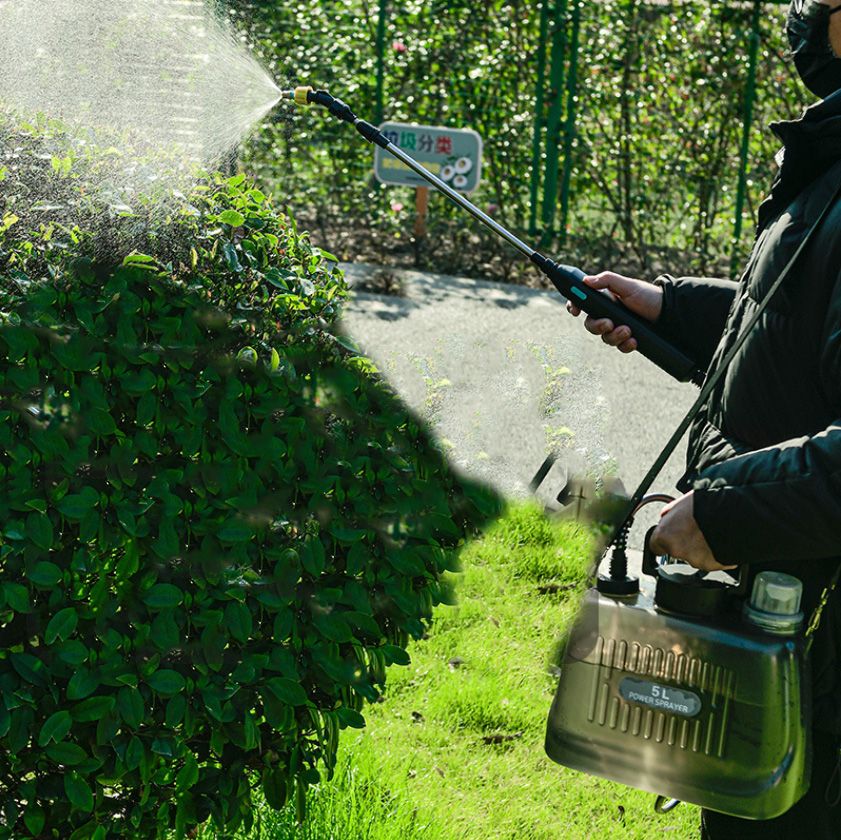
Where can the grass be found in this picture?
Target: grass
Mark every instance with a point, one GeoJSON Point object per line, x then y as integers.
{"type": "Point", "coordinates": [455, 751]}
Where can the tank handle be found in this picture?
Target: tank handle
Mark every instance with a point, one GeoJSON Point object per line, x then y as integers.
{"type": "Point", "coordinates": [652, 563]}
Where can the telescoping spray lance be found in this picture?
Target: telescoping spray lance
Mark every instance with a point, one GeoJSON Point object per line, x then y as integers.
{"type": "Point", "coordinates": [672, 681]}
{"type": "Point", "coordinates": [566, 279]}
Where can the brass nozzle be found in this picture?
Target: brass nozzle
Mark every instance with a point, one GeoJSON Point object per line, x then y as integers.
{"type": "Point", "coordinates": [301, 95]}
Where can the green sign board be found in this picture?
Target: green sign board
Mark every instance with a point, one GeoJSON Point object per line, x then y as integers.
{"type": "Point", "coordinates": [454, 155]}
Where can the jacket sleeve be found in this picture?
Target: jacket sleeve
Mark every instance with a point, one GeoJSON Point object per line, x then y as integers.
{"type": "Point", "coordinates": [694, 314]}
{"type": "Point", "coordinates": [782, 502]}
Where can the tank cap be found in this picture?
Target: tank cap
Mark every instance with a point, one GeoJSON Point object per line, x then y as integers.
{"type": "Point", "coordinates": [775, 603]}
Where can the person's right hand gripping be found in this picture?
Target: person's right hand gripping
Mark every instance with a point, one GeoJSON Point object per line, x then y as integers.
{"type": "Point", "coordinates": [644, 299]}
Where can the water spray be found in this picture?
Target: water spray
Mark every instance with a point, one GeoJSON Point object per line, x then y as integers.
{"type": "Point", "coordinates": [567, 279]}
{"type": "Point", "coordinates": [657, 689]}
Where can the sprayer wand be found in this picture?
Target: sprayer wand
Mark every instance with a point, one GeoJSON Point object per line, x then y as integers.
{"type": "Point", "coordinates": [566, 279]}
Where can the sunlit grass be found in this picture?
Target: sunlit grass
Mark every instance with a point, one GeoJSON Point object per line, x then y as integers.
{"type": "Point", "coordinates": [456, 749]}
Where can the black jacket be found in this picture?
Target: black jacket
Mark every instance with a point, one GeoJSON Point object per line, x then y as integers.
{"type": "Point", "coordinates": [764, 457]}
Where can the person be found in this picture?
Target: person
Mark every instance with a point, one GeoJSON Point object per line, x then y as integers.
{"type": "Point", "coordinates": [763, 478]}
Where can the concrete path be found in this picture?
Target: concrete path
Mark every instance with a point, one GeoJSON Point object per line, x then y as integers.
{"type": "Point", "coordinates": [503, 373]}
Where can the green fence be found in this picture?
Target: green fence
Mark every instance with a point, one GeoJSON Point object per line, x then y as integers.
{"type": "Point", "coordinates": [625, 130]}
{"type": "Point", "coordinates": [555, 124]}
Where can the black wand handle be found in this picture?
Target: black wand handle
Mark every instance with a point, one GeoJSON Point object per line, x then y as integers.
{"type": "Point", "coordinates": [569, 282]}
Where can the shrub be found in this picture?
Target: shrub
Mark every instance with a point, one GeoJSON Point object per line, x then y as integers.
{"type": "Point", "coordinates": [218, 526]}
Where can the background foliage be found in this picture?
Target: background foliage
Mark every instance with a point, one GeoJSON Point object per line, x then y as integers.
{"type": "Point", "coordinates": [656, 145]}
{"type": "Point", "coordinates": [218, 526]}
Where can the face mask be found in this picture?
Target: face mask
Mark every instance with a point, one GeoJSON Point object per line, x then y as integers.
{"type": "Point", "coordinates": [808, 34]}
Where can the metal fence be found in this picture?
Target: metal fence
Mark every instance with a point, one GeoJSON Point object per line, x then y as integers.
{"type": "Point", "coordinates": [669, 183]}
{"type": "Point", "coordinates": [556, 99]}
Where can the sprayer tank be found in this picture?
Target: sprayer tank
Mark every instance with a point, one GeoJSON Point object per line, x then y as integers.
{"type": "Point", "coordinates": [708, 712]}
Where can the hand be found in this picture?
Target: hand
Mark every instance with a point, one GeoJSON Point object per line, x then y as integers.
{"type": "Point", "coordinates": [640, 297]}
{"type": "Point", "coordinates": [678, 535]}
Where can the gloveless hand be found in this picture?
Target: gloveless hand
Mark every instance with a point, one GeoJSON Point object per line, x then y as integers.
{"type": "Point", "coordinates": [643, 299]}
{"type": "Point", "coordinates": [678, 535]}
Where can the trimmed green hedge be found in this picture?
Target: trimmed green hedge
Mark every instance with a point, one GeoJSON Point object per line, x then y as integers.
{"type": "Point", "coordinates": [218, 526]}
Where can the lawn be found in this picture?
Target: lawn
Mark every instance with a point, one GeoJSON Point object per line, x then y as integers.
{"type": "Point", "coordinates": [455, 750]}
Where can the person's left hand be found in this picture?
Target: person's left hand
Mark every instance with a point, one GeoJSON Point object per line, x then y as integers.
{"type": "Point", "coordinates": [678, 535]}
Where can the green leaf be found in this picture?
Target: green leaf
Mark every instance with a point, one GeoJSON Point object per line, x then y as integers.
{"type": "Point", "coordinates": [175, 710]}
{"type": "Point", "coordinates": [75, 506]}
{"type": "Point", "coordinates": [166, 682]}
{"type": "Point", "coordinates": [138, 260]}
{"type": "Point", "coordinates": [312, 556]}
{"type": "Point", "coordinates": [29, 667]}
{"type": "Point", "coordinates": [39, 529]}
{"type": "Point", "coordinates": [17, 597]}
{"type": "Point", "coordinates": [364, 622]}
{"type": "Point", "coordinates": [188, 775]}
{"type": "Point", "coordinates": [396, 655]}
{"type": "Point", "coordinates": [325, 255]}
{"type": "Point", "coordinates": [147, 407]}
{"type": "Point", "coordinates": [61, 625]}
{"type": "Point", "coordinates": [82, 684]}
{"type": "Point", "coordinates": [55, 728]}
{"type": "Point", "coordinates": [350, 717]}
{"type": "Point", "coordinates": [347, 535]}
{"type": "Point", "coordinates": [78, 791]}
{"type": "Point", "coordinates": [100, 422]}
{"type": "Point", "coordinates": [232, 218]}
{"type": "Point", "coordinates": [44, 574]}
{"type": "Point", "coordinates": [93, 708]}
{"type": "Point", "coordinates": [34, 818]}
{"type": "Point", "coordinates": [72, 653]}
{"type": "Point", "coordinates": [139, 382]}
{"type": "Point", "coordinates": [279, 716]}
{"type": "Point", "coordinates": [162, 596]}
{"type": "Point", "coordinates": [238, 620]}
{"type": "Point", "coordinates": [162, 746]}
{"type": "Point", "coordinates": [130, 705]}
{"type": "Point", "coordinates": [166, 545]}
{"type": "Point", "coordinates": [164, 632]}
{"type": "Point", "coordinates": [300, 802]}
{"type": "Point", "coordinates": [347, 343]}
{"type": "Point", "coordinates": [66, 752]}
{"type": "Point", "coordinates": [235, 531]}
{"type": "Point", "coordinates": [135, 753]}
{"type": "Point", "coordinates": [280, 279]}
{"type": "Point", "coordinates": [275, 788]}
{"type": "Point", "coordinates": [231, 257]}
{"type": "Point", "coordinates": [14, 532]}
{"type": "Point", "coordinates": [334, 627]}
{"type": "Point", "coordinates": [287, 691]}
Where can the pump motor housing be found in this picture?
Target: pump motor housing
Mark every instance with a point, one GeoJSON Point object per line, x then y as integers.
{"type": "Point", "coordinates": [707, 710]}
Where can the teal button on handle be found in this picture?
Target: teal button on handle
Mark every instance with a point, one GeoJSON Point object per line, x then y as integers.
{"type": "Point", "coordinates": [579, 293]}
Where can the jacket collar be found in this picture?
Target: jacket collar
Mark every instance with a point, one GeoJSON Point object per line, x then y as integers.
{"type": "Point", "coordinates": [812, 146]}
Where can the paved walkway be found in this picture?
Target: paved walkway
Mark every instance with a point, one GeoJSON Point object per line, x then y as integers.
{"type": "Point", "coordinates": [502, 372]}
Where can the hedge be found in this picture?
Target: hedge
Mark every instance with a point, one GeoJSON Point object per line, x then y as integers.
{"type": "Point", "coordinates": [219, 526]}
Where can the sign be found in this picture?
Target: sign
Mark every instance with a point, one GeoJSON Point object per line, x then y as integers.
{"type": "Point", "coordinates": [454, 155]}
